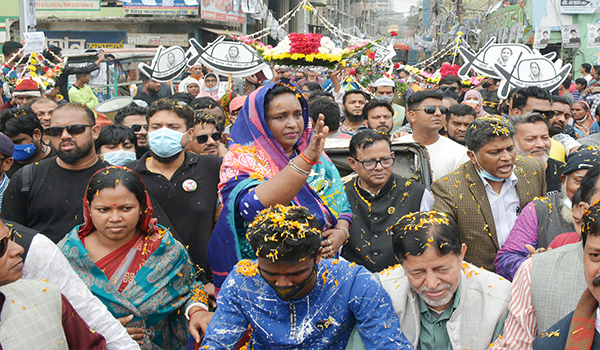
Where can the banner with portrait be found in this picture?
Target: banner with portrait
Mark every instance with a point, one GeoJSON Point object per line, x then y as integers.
{"type": "Point", "coordinates": [570, 36]}
{"type": "Point", "coordinates": [542, 37]}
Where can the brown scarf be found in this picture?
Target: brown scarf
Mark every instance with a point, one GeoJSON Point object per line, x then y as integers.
{"type": "Point", "coordinates": [583, 323]}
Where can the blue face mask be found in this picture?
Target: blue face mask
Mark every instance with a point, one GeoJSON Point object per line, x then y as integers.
{"type": "Point", "coordinates": [212, 88]}
{"type": "Point", "coordinates": [487, 175]}
{"type": "Point", "coordinates": [23, 152]}
{"type": "Point", "coordinates": [119, 158]}
{"type": "Point", "coordinates": [567, 202]}
{"type": "Point", "coordinates": [165, 142]}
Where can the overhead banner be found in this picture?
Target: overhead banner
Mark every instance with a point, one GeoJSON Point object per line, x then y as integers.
{"type": "Point", "coordinates": [579, 6]}
{"type": "Point", "coordinates": [223, 10]}
{"type": "Point", "coordinates": [570, 36]}
{"type": "Point", "coordinates": [67, 5]}
{"type": "Point", "coordinates": [160, 7]}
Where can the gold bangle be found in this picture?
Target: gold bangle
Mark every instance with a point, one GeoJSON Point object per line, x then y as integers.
{"type": "Point", "coordinates": [345, 230]}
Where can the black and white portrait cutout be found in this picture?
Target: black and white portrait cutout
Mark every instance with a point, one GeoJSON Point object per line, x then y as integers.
{"type": "Point", "coordinates": [535, 73]}
{"type": "Point", "coordinates": [505, 56]}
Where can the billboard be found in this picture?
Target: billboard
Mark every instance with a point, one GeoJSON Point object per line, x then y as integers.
{"type": "Point", "coordinates": [160, 7]}
{"type": "Point", "coordinates": [222, 10]}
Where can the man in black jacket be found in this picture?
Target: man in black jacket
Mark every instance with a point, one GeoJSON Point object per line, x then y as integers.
{"type": "Point", "coordinates": [54, 55]}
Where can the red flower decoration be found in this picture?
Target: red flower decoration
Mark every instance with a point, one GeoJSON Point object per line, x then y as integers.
{"type": "Point", "coordinates": [305, 43]}
{"type": "Point", "coordinates": [371, 55]}
{"type": "Point", "coordinates": [352, 71]}
{"type": "Point", "coordinates": [448, 69]}
{"type": "Point", "coordinates": [397, 65]}
{"type": "Point", "coordinates": [394, 33]}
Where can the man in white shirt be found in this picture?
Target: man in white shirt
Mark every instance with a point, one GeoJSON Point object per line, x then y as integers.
{"type": "Point", "coordinates": [585, 70]}
{"type": "Point", "coordinates": [426, 116]}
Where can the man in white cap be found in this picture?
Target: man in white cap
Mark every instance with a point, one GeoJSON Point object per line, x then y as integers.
{"type": "Point", "coordinates": [385, 90]}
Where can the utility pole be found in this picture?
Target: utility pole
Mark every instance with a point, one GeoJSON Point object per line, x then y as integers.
{"type": "Point", "coordinates": [459, 11]}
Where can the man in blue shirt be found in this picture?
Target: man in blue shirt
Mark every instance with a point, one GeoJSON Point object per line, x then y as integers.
{"type": "Point", "coordinates": [292, 299]}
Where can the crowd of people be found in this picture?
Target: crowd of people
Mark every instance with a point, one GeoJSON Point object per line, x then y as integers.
{"type": "Point", "coordinates": [214, 218]}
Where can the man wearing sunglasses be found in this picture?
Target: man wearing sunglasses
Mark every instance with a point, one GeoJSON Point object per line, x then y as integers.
{"type": "Point", "coordinates": [46, 195]}
{"type": "Point", "coordinates": [378, 199]}
{"type": "Point", "coordinates": [206, 139]}
{"type": "Point", "coordinates": [134, 117]}
{"type": "Point", "coordinates": [426, 115]}
{"type": "Point", "coordinates": [450, 86]}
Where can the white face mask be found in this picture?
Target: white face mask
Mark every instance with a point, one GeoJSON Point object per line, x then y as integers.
{"type": "Point", "coordinates": [386, 98]}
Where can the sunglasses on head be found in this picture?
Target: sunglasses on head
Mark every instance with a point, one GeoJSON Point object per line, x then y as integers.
{"type": "Point", "coordinates": [73, 130]}
{"type": "Point", "coordinates": [203, 138]}
{"type": "Point", "coordinates": [4, 242]}
{"type": "Point", "coordinates": [137, 128]}
{"type": "Point", "coordinates": [431, 109]}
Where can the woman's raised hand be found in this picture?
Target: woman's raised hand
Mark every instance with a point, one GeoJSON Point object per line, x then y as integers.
{"type": "Point", "coordinates": [317, 141]}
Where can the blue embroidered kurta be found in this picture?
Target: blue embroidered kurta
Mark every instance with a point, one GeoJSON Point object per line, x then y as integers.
{"type": "Point", "coordinates": [344, 295]}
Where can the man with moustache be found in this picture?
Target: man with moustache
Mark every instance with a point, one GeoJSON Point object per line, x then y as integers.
{"type": "Point", "coordinates": [150, 90]}
{"type": "Point", "coordinates": [378, 199]}
{"type": "Point", "coordinates": [544, 218]}
{"type": "Point", "coordinates": [484, 195]}
{"type": "Point", "coordinates": [578, 329]}
{"type": "Point", "coordinates": [559, 129]}
{"type": "Point", "coordinates": [23, 127]}
{"type": "Point", "coordinates": [352, 106]}
{"type": "Point", "coordinates": [207, 138]}
{"type": "Point", "coordinates": [533, 139]}
{"type": "Point", "coordinates": [46, 195]}
{"type": "Point", "coordinates": [426, 116]}
{"type": "Point", "coordinates": [457, 120]}
{"type": "Point", "coordinates": [43, 108]}
{"type": "Point", "coordinates": [183, 183]}
{"type": "Point", "coordinates": [134, 117]}
{"type": "Point", "coordinates": [437, 296]}
{"type": "Point", "coordinates": [35, 314]}
{"type": "Point", "coordinates": [379, 115]}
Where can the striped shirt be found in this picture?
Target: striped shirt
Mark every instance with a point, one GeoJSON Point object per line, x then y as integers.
{"type": "Point", "coordinates": [520, 327]}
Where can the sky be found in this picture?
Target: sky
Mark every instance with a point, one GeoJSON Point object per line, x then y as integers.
{"type": "Point", "coordinates": [404, 5]}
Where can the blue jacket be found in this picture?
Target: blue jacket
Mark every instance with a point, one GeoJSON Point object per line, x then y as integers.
{"type": "Point", "coordinates": [344, 295]}
{"type": "Point", "coordinates": [558, 340]}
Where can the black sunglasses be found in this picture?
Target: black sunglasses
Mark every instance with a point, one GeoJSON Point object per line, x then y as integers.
{"type": "Point", "coordinates": [431, 109]}
{"type": "Point", "coordinates": [137, 128]}
{"type": "Point", "coordinates": [451, 88]}
{"type": "Point", "coordinates": [548, 114]}
{"type": "Point", "coordinates": [203, 138]}
{"type": "Point", "coordinates": [73, 130]}
{"type": "Point", "coordinates": [4, 242]}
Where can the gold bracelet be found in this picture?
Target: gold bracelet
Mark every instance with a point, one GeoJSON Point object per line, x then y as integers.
{"type": "Point", "coordinates": [345, 230]}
